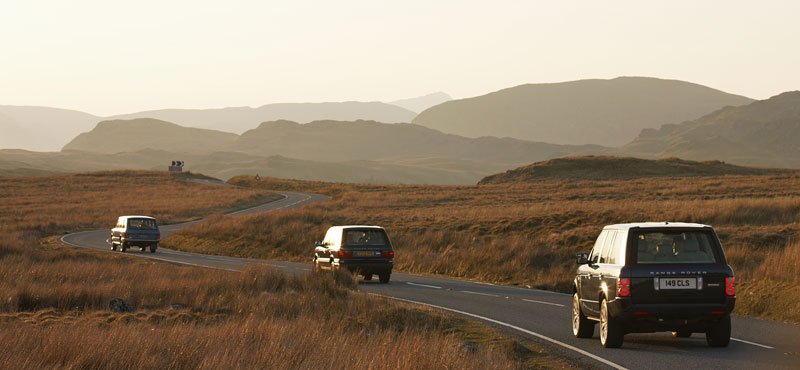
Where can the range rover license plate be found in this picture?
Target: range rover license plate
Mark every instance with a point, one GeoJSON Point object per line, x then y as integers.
{"type": "Point", "coordinates": [677, 283]}
{"type": "Point", "coordinates": [366, 253]}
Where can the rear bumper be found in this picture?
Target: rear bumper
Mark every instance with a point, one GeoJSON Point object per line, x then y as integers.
{"type": "Point", "coordinates": [140, 242]}
{"type": "Point", "coordinates": [642, 317]}
{"type": "Point", "coordinates": [366, 267]}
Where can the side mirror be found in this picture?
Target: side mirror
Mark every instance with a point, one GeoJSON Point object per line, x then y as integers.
{"type": "Point", "coordinates": [318, 243]}
{"type": "Point", "coordinates": [582, 258]}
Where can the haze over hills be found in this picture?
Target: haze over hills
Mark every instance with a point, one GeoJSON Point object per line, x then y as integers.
{"type": "Point", "coordinates": [422, 103]}
{"type": "Point", "coordinates": [332, 150]}
{"type": "Point", "coordinates": [240, 119]}
{"type": "Point", "coordinates": [48, 129]}
{"type": "Point", "coordinates": [764, 133]}
{"type": "Point", "coordinates": [604, 112]}
{"type": "Point", "coordinates": [117, 136]}
{"type": "Point", "coordinates": [336, 140]}
{"type": "Point", "coordinates": [620, 168]}
{"type": "Point", "coordinates": [41, 128]}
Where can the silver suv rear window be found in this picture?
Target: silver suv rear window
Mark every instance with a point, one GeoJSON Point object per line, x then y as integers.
{"type": "Point", "coordinates": [364, 237]}
{"type": "Point", "coordinates": [665, 247]}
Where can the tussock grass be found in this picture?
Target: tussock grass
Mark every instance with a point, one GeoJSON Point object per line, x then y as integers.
{"type": "Point", "coordinates": [528, 234]}
{"type": "Point", "coordinates": [54, 300]}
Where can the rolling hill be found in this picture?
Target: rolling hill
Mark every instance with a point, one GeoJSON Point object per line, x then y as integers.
{"type": "Point", "coordinates": [369, 140]}
{"type": "Point", "coordinates": [422, 103]}
{"type": "Point", "coordinates": [41, 128]}
{"type": "Point", "coordinates": [240, 119]}
{"type": "Point", "coordinates": [763, 133]}
{"type": "Point", "coordinates": [603, 112]}
{"type": "Point", "coordinates": [361, 151]}
{"type": "Point", "coordinates": [620, 168]}
{"type": "Point", "coordinates": [118, 136]}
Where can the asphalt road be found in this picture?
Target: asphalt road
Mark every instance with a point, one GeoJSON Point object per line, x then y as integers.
{"type": "Point", "coordinates": [538, 315]}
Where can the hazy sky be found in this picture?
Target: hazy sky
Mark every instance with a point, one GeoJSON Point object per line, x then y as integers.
{"type": "Point", "coordinates": [107, 57]}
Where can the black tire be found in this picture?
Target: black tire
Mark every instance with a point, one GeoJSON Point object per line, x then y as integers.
{"type": "Point", "coordinates": [142, 249]}
{"type": "Point", "coordinates": [719, 335]}
{"type": "Point", "coordinates": [153, 248]}
{"type": "Point", "coordinates": [682, 334]}
{"type": "Point", "coordinates": [113, 247]}
{"type": "Point", "coordinates": [611, 334]}
{"type": "Point", "coordinates": [582, 327]}
{"type": "Point", "coordinates": [367, 277]}
{"type": "Point", "coordinates": [123, 247]}
{"type": "Point", "coordinates": [384, 278]}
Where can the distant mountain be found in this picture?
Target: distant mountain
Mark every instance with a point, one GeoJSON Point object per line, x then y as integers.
{"type": "Point", "coordinates": [604, 112]}
{"type": "Point", "coordinates": [422, 103]}
{"type": "Point", "coordinates": [361, 151]}
{"type": "Point", "coordinates": [369, 140]}
{"type": "Point", "coordinates": [41, 128]}
{"type": "Point", "coordinates": [119, 136]}
{"type": "Point", "coordinates": [617, 168]}
{"type": "Point", "coordinates": [764, 133]}
{"type": "Point", "coordinates": [240, 119]}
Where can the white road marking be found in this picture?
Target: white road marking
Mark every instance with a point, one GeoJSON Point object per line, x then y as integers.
{"type": "Point", "coordinates": [526, 331]}
{"type": "Point", "coordinates": [482, 283]}
{"type": "Point", "coordinates": [752, 343]}
{"type": "Point", "coordinates": [543, 302]}
{"type": "Point", "coordinates": [425, 286]}
{"type": "Point", "coordinates": [478, 293]}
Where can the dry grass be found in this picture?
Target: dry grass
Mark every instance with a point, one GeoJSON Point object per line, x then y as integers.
{"type": "Point", "coordinates": [54, 300]}
{"type": "Point", "coordinates": [55, 204]}
{"type": "Point", "coordinates": [528, 234]}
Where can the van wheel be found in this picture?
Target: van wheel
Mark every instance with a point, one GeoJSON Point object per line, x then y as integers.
{"type": "Point", "coordinates": [315, 267]}
{"type": "Point", "coordinates": [384, 278]}
{"type": "Point", "coordinates": [719, 335]}
{"type": "Point", "coordinates": [153, 248]}
{"type": "Point", "coordinates": [682, 334]}
{"type": "Point", "coordinates": [142, 249]}
{"type": "Point", "coordinates": [367, 276]}
{"type": "Point", "coordinates": [123, 247]}
{"type": "Point", "coordinates": [581, 326]}
{"type": "Point", "coordinates": [113, 247]}
{"type": "Point", "coordinates": [611, 334]}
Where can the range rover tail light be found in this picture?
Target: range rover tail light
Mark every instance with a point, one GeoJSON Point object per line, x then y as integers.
{"type": "Point", "coordinates": [387, 254]}
{"type": "Point", "coordinates": [624, 287]}
{"type": "Point", "coordinates": [730, 286]}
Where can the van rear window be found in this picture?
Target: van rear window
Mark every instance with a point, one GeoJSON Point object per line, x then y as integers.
{"type": "Point", "coordinates": [142, 224]}
{"type": "Point", "coordinates": [665, 247]}
{"type": "Point", "coordinates": [364, 237]}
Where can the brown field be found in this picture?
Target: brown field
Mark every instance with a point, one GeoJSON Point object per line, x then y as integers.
{"type": "Point", "coordinates": [54, 300]}
{"type": "Point", "coordinates": [528, 234]}
{"type": "Point", "coordinates": [56, 204]}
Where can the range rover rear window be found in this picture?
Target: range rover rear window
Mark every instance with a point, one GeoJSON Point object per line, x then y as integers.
{"type": "Point", "coordinates": [674, 247]}
{"type": "Point", "coordinates": [364, 237]}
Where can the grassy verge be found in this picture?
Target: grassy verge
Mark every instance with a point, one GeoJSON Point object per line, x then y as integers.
{"type": "Point", "coordinates": [54, 301]}
{"type": "Point", "coordinates": [528, 234]}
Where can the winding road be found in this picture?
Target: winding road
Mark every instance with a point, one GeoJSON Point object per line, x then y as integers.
{"type": "Point", "coordinates": [537, 315]}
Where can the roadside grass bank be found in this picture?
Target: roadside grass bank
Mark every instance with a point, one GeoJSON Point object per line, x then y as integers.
{"type": "Point", "coordinates": [55, 300]}
{"type": "Point", "coordinates": [528, 234]}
